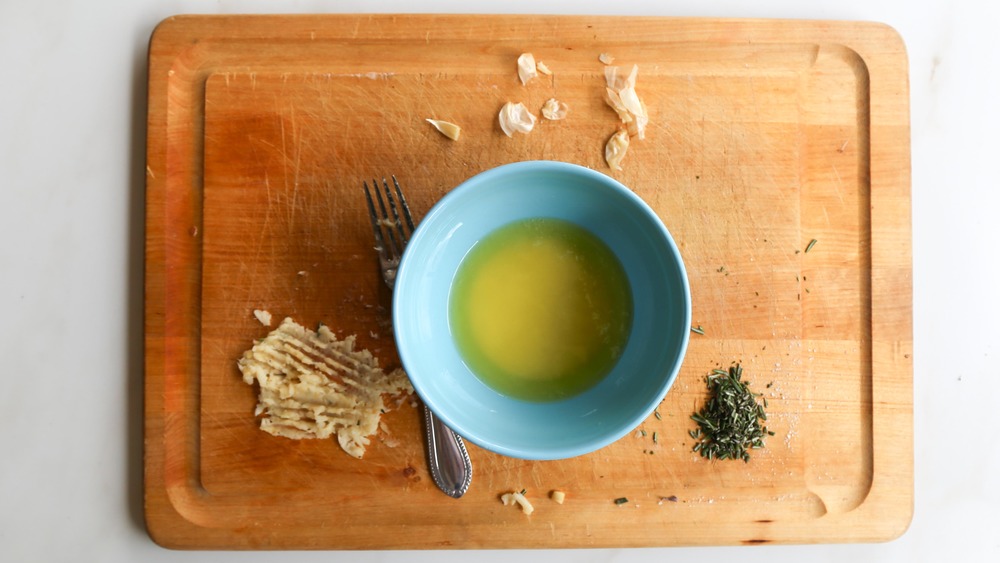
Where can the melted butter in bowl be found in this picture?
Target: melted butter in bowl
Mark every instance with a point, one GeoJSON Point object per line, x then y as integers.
{"type": "Point", "coordinates": [540, 309]}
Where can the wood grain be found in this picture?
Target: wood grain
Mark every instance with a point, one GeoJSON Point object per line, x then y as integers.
{"type": "Point", "coordinates": [764, 136]}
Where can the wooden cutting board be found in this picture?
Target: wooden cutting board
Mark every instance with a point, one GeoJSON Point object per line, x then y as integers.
{"type": "Point", "coordinates": [764, 135]}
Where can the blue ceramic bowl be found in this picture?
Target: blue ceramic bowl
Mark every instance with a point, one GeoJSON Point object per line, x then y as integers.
{"type": "Point", "coordinates": [661, 318]}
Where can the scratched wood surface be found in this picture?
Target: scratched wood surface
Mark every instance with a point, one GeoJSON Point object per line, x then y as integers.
{"type": "Point", "coordinates": [764, 135]}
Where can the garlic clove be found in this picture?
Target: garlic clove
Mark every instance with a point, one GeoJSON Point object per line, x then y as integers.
{"type": "Point", "coordinates": [446, 128]}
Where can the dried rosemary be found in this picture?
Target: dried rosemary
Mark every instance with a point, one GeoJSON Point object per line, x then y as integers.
{"type": "Point", "coordinates": [729, 424]}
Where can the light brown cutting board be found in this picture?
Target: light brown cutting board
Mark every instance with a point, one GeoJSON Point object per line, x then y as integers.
{"type": "Point", "coordinates": [764, 135]}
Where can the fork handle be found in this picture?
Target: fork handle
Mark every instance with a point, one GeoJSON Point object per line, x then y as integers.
{"type": "Point", "coordinates": [450, 465]}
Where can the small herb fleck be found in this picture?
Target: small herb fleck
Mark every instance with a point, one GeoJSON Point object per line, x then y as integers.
{"type": "Point", "coordinates": [657, 415]}
{"type": "Point", "coordinates": [621, 500]}
{"type": "Point", "coordinates": [655, 436]}
{"type": "Point", "coordinates": [698, 330]}
{"type": "Point", "coordinates": [811, 244]}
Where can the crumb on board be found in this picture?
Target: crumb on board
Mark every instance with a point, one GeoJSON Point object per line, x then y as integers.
{"type": "Point", "coordinates": [558, 496]}
{"type": "Point", "coordinates": [262, 316]}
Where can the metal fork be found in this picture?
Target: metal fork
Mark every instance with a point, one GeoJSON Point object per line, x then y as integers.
{"type": "Point", "coordinates": [450, 465]}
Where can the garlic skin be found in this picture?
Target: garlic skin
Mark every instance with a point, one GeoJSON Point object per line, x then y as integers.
{"type": "Point", "coordinates": [526, 69]}
{"type": "Point", "coordinates": [542, 68]}
{"type": "Point", "coordinates": [516, 118]}
{"type": "Point", "coordinates": [446, 128]}
{"type": "Point", "coordinates": [554, 110]}
{"type": "Point", "coordinates": [614, 100]}
{"type": "Point", "coordinates": [620, 94]}
{"type": "Point", "coordinates": [606, 58]}
{"type": "Point", "coordinates": [616, 148]}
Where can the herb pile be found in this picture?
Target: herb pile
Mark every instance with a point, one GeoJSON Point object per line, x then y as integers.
{"type": "Point", "coordinates": [729, 424]}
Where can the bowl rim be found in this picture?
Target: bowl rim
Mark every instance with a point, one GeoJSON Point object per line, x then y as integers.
{"type": "Point", "coordinates": [614, 434]}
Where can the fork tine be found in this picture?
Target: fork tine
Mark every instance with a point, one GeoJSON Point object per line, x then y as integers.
{"type": "Point", "coordinates": [379, 240]}
{"type": "Point", "coordinates": [395, 247]}
{"type": "Point", "coordinates": [403, 204]}
{"type": "Point", "coordinates": [403, 234]}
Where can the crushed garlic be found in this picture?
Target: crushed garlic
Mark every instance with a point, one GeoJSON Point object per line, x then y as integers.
{"type": "Point", "coordinates": [312, 385]}
{"type": "Point", "coordinates": [516, 118]}
{"type": "Point", "coordinates": [558, 496]}
{"type": "Point", "coordinates": [446, 128]}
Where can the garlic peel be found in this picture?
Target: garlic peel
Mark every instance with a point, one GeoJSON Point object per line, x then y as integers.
{"type": "Point", "coordinates": [615, 149]}
{"type": "Point", "coordinates": [542, 68]}
{"type": "Point", "coordinates": [526, 69]}
{"type": "Point", "coordinates": [620, 94]}
{"type": "Point", "coordinates": [554, 110]}
{"type": "Point", "coordinates": [614, 100]}
{"type": "Point", "coordinates": [515, 118]}
{"type": "Point", "coordinates": [446, 128]}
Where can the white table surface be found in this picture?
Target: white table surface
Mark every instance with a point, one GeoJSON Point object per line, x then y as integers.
{"type": "Point", "coordinates": [72, 113]}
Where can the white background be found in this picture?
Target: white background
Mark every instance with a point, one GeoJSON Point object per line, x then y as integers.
{"type": "Point", "coordinates": [72, 111]}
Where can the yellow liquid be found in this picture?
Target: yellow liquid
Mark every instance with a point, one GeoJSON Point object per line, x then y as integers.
{"type": "Point", "coordinates": [540, 309]}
